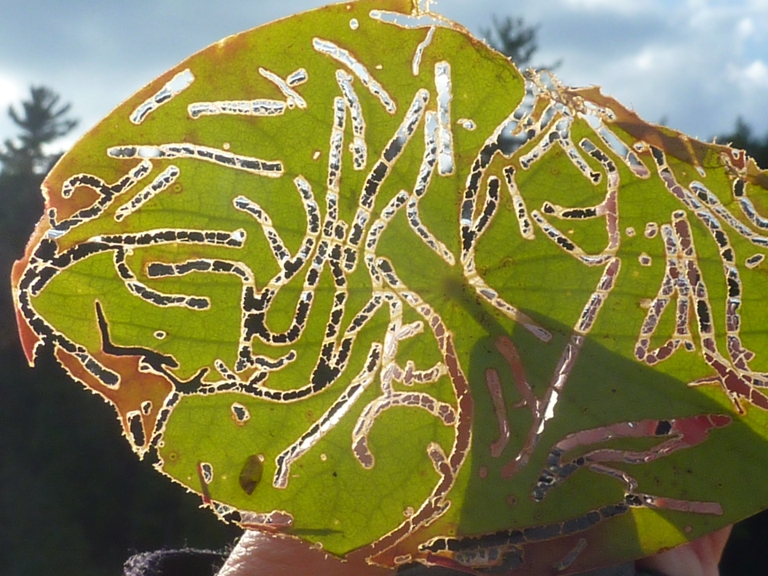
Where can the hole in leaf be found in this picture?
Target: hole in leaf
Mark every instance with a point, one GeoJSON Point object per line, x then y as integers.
{"type": "Point", "coordinates": [136, 426]}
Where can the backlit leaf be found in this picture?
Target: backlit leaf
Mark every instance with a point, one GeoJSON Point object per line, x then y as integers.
{"type": "Point", "coordinates": [353, 277]}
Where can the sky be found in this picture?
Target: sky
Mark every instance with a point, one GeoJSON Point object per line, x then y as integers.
{"type": "Point", "coordinates": [696, 65]}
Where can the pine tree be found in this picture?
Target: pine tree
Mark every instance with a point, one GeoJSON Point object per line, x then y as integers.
{"type": "Point", "coordinates": [24, 163]}
{"type": "Point", "coordinates": [41, 121]}
{"type": "Point", "coordinates": [515, 39]}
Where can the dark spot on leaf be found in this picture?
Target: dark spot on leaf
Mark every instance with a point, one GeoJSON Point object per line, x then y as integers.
{"type": "Point", "coordinates": [658, 155]}
{"type": "Point", "coordinates": [46, 250]}
{"type": "Point", "coordinates": [633, 500]}
{"type": "Point", "coordinates": [546, 532]}
{"type": "Point", "coordinates": [250, 474]}
{"type": "Point", "coordinates": [137, 429]}
{"type": "Point", "coordinates": [663, 428]}
{"type": "Point", "coordinates": [613, 510]}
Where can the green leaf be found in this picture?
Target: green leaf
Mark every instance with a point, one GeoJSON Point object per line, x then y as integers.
{"type": "Point", "coordinates": [353, 277]}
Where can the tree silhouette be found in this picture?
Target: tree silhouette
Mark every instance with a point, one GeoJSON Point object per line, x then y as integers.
{"type": "Point", "coordinates": [42, 121]}
{"type": "Point", "coordinates": [743, 138]}
{"type": "Point", "coordinates": [24, 162]}
{"type": "Point", "coordinates": [515, 39]}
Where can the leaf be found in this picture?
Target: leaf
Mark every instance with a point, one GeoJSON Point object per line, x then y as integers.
{"type": "Point", "coordinates": [353, 277]}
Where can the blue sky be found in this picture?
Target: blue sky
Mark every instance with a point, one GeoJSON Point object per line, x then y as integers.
{"type": "Point", "coordinates": [697, 64]}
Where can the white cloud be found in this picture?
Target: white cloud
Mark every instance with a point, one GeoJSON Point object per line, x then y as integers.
{"type": "Point", "coordinates": [745, 28]}
{"type": "Point", "coordinates": [757, 74]}
{"type": "Point", "coordinates": [749, 78]}
{"type": "Point", "coordinates": [625, 7]}
{"type": "Point", "coordinates": [11, 92]}
{"type": "Point", "coordinates": [648, 60]}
